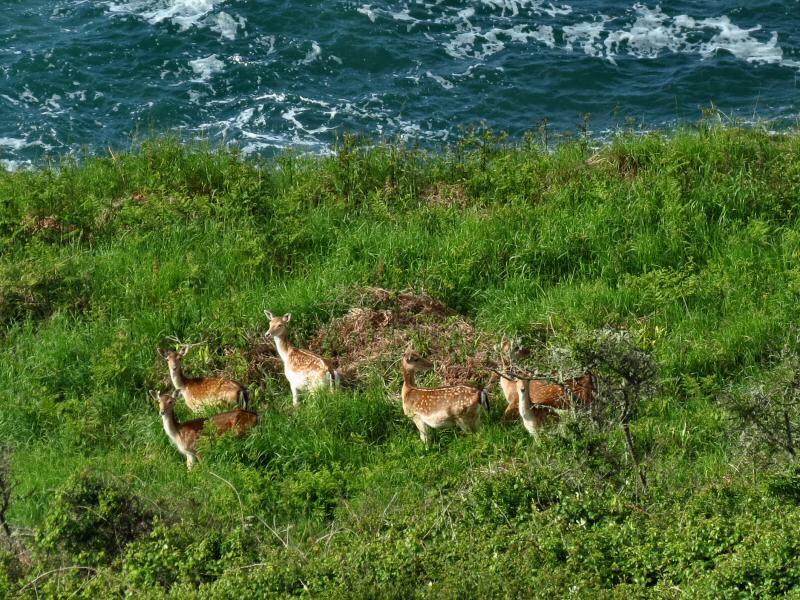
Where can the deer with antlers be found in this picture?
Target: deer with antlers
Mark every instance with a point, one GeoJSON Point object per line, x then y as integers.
{"type": "Point", "coordinates": [185, 435]}
{"type": "Point", "coordinates": [432, 408]}
{"type": "Point", "coordinates": [303, 369]}
{"type": "Point", "coordinates": [543, 399]}
{"type": "Point", "coordinates": [201, 392]}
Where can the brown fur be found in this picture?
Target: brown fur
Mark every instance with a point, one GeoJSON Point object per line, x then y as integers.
{"type": "Point", "coordinates": [549, 394]}
{"type": "Point", "coordinates": [305, 360]}
{"type": "Point", "coordinates": [202, 392]}
{"type": "Point", "coordinates": [432, 408]}
{"type": "Point", "coordinates": [185, 435]}
{"type": "Point", "coordinates": [303, 369]}
{"type": "Point", "coordinates": [542, 392]}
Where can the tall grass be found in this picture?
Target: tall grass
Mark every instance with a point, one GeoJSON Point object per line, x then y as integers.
{"type": "Point", "coordinates": [687, 240]}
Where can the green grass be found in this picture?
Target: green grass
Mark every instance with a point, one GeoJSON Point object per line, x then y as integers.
{"type": "Point", "coordinates": [688, 240]}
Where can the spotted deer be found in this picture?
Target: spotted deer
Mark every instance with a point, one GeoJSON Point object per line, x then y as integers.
{"type": "Point", "coordinates": [303, 369]}
{"type": "Point", "coordinates": [185, 435]}
{"type": "Point", "coordinates": [432, 408]}
{"type": "Point", "coordinates": [546, 399]}
{"type": "Point", "coordinates": [509, 348]}
{"type": "Point", "coordinates": [201, 392]}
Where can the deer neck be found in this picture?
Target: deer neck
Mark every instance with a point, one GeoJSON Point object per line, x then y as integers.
{"type": "Point", "coordinates": [408, 383]}
{"type": "Point", "coordinates": [509, 387]}
{"type": "Point", "coordinates": [283, 346]}
{"type": "Point", "coordinates": [525, 409]}
{"type": "Point", "coordinates": [176, 375]}
{"type": "Point", "coordinates": [171, 426]}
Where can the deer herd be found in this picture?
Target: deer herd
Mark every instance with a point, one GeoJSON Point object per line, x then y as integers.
{"type": "Point", "coordinates": [534, 400]}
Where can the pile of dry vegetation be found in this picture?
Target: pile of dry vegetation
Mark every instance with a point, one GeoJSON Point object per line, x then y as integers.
{"type": "Point", "coordinates": [379, 326]}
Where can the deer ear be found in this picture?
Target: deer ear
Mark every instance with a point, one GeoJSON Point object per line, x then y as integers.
{"type": "Point", "coordinates": [162, 353]}
{"type": "Point", "coordinates": [287, 317]}
{"type": "Point", "coordinates": [182, 352]}
{"type": "Point", "coordinates": [268, 314]}
{"type": "Point", "coordinates": [153, 394]}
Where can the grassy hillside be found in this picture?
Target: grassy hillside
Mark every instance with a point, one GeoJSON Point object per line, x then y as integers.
{"type": "Point", "coordinates": [690, 243]}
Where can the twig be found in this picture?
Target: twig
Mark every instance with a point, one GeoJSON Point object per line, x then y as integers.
{"type": "Point", "coordinates": [46, 573]}
{"type": "Point", "coordinates": [513, 375]}
{"type": "Point", "coordinates": [389, 504]}
{"type": "Point", "coordinates": [175, 339]}
{"type": "Point", "coordinates": [238, 497]}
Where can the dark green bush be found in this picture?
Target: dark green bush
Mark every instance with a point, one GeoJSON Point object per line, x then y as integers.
{"type": "Point", "coordinates": [93, 519]}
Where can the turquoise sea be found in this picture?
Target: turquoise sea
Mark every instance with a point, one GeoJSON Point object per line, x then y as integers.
{"type": "Point", "coordinates": [78, 75]}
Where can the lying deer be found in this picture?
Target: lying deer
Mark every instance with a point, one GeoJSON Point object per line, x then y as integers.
{"type": "Point", "coordinates": [542, 392]}
{"type": "Point", "coordinates": [185, 435]}
{"type": "Point", "coordinates": [304, 370]}
{"type": "Point", "coordinates": [432, 408]}
{"type": "Point", "coordinates": [201, 392]}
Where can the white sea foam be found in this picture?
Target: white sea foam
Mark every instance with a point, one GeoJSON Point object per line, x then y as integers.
{"type": "Point", "coordinates": [478, 45]}
{"type": "Point", "coordinates": [206, 67]}
{"type": "Point", "coordinates": [466, 31]}
{"type": "Point", "coordinates": [244, 117]}
{"type": "Point", "coordinates": [279, 97]}
{"type": "Point", "coordinates": [313, 54]}
{"type": "Point", "coordinates": [183, 13]}
{"type": "Point", "coordinates": [440, 80]}
{"type": "Point", "coordinates": [291, 116]}
{"type": "Point", "coordinates": [366, 9]}
{"type": "Point", "coordinates": [227, 26]}
{"type": "Point", "coordinates": [13, 143]}
{"type": "Point", "coordinates": [27, 96]}
{"type": "Point", "coordinates": [404, 15]}
{"type": "Point", "coordinates": [653, 33]}
{"type": "Point", "coordinates": [16, 165]}
{"type": "Point", "coordinates": [740, 43]}
{"type": "Point", "coordinates": [268, 41]}
{"type": "Point", "coordinates": [587, 34]}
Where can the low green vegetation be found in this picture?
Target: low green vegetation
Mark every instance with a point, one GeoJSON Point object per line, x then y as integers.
{"type": "Point", "coordinates": [688, 243]}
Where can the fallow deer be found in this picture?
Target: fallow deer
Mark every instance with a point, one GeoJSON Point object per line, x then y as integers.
{"type": "Point", "coordinates": [303, 369]}
{"type": "Point", "coordinates": [432, 408]}
{"type": "Point", "coordinates": [185, 435]}
{"type": "Point", "coordinates": [201, 392]}
{"type": "Point", "coordinates": [555, 395]}
{"type": "Point", "coordinates": [508, 385]}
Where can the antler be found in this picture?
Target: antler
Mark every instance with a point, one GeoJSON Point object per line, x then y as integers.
{"type": "Point", "coordinates": [187, 347]}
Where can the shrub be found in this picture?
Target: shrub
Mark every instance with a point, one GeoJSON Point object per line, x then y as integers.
{"type": "Point", "coordinates": [92, 520]}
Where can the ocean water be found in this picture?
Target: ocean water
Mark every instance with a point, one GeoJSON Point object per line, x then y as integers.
{"type": "Point", "coordinates": [271, 74]}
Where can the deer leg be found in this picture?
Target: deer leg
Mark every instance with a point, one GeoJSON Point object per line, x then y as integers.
{"type": "Point", "coordinates": [512, 413]}
{"type": "Point", "coordinates": [422, 428]}
{"type": "Point", "coordinates": [191, 459]}
{"type": "Point", "coordinates": [467, 425]}
{"type": "Point", "coordinates": [295, 395]}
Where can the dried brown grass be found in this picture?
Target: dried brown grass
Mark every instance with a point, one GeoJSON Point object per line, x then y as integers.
{"type": "Point", "coordinates": [451, 195]}
{"type": "Point", "coordinates": [383, 324]}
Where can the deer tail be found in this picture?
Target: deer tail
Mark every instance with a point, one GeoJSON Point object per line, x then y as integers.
{"type": "Point", "coordinates": [244, 397]}
{"type": "Point", "coordinates": [485, 400]}
{"type": "Point", "coordinates": [334, 378]}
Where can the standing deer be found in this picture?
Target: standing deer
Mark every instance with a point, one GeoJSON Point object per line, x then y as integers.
{"type": "Point", "coordinates": [432, 408]}
{"type": "Point", "coordinates": [508, 385]}
{"type": "Point", "coordinates": [201, 392]}
{"type": "Point", "coordinates": [185, 435]}
{"type": "Point", "coordinates": [303, 369]}
{"type": "Point", "coordinates": [546, 399]}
